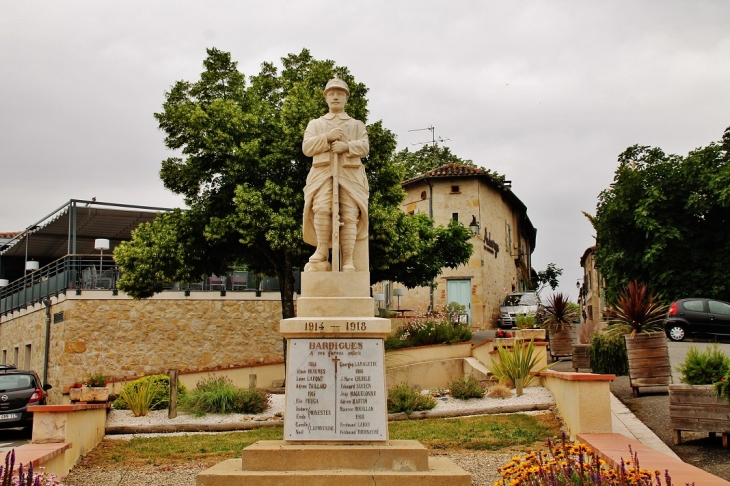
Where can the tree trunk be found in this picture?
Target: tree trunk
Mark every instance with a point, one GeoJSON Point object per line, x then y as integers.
{"type": "Point", "coordinates": [286, 278]}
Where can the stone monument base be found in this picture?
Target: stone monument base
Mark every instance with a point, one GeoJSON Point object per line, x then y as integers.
{"type": "Point", "coordinates": [279, 463]}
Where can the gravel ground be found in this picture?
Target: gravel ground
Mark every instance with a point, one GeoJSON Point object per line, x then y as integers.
{"type": "Point", "coordinates": [481, 464]}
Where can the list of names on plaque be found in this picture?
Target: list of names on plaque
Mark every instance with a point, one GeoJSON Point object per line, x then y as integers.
{"type": "Point", "coordinates": [335, 390]}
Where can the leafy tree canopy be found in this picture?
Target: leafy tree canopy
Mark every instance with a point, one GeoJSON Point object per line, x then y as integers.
{"type": "Point", "coordinates": [665, 221]}
{"type": "Point", "coordinates": [240, 167]}
{"type": "Point", "coordinates": [546, 277]}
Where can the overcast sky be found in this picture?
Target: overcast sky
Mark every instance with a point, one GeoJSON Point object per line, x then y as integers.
{"type": "Point", "coordinates": [546, 93]}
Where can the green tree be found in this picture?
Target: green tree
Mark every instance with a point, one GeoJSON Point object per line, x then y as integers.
{"type": "Point", "coordinates": [665, 221]}
{"type": "Point", "coordinates": [241, 170]}
{"type": "Point", "coordinates": [546, 277]}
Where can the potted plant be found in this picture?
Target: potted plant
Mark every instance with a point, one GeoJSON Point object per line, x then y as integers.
{"type": "Point", "coordinates": [700, 403]}
{"type": "Point", "coordinates": [93, 389]}
{"type": "Point", "coordinates": [503, 338]}
{"type": "Point", "coordinates": [558, 319]}
{"type": "Point", "coordinates": [581, 349]}
{"type": "Point", "coordinates": [528, 328]}
{"type": "Point", "coordinates": [638, 314]}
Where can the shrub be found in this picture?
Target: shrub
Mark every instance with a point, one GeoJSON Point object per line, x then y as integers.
{"type": "Point", "coordinates": [466, 387]}
{"type": "Point", "coordinates": [704, 367]}
{"type": "Point", "coordinates": [404, 398]}
{"type": "Point", "coordinates": [608, 354]}
{"type": "Point", "coordinates": [525, 322]}
{"type": "Point", "coordinates": [217, 394]}
{"type": "Point", "coordinates": [141, 396]}
{"type": "Point", "coordinates": [162, 394]}
{"type": "Point", "coordinates": [575, 464]}
{"type": "Point", "coordinates": [97, 379]}
{"type": "Point", "coordinates": [428, 330]}
{"type": "Point", "coordinates": [500, 390]}
{"type": "Point", "coordinates": [722, 387]}
{"type": "Point", "coordinates": [516, 364]}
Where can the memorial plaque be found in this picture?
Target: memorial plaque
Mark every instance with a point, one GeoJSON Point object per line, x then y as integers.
{"type": "Point", "coordinates": [336, 390]}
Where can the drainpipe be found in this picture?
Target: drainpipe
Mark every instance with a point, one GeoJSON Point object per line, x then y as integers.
{"type": "Point", "coordinates": [430, 215]}
{"type": "Point", "coordinates": [47, 303]}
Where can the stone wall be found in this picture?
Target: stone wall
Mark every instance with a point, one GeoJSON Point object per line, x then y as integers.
{"type": "Point", "coordinates": [125, 338]}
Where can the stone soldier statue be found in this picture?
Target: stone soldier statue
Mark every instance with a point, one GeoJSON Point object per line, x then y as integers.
{"type": "Point", "coordinates": [337, 143]}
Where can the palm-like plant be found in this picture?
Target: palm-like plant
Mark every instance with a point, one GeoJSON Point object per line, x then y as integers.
{"type": "Point", "coordinates": [559, 313]}
{"type": "Point", "coordinates": [636, 310]}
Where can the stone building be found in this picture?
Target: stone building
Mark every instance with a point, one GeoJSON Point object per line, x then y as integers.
{"type": "Point", "coordinates": [504, 239]}
{"type": "Point", "coordinates": [62, 316]}
{"type": "Point", "coordinates": [592, 298]}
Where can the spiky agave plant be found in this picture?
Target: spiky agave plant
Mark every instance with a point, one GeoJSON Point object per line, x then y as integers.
{"type": "Point", "coordinates": [636, 310]}
{"type": "Point", "coordinates": [559, 313]}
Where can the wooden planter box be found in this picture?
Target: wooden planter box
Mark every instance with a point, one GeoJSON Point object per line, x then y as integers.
{"type": "Point", "coordinates": [89, 394]}
{"type": "Point", "coordinates": [581, 356]}
{"type": "Point", "coordinates": [648, 360]}
{"type": "Point", "coordinates": [528, 334]}
{"type": "Point", "coordinates": [696, 408]}
{"type": "Point", "coordinates": [561, 342]}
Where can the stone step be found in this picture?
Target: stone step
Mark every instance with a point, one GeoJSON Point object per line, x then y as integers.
{"type": "Point", "coordinates": [441, 470]}
{"type": "Point", "coordinates": [278, 455]}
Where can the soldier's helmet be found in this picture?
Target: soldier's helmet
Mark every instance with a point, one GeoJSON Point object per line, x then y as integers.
{"type": "Point", "coordinates": [337, 83]}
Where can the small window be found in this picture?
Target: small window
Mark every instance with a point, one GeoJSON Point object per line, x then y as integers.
{"type": "Point", "coordinates": [455, 189]}
{"type": "Point", "coordinates": [693, 305]}
{"type": "Point", "coordinates": [455, 216]}
{"type": "Point", "coordinates": [58, 317]}
{"type": "Point", "coordinates": [423, 194]}
{"type": "Point", "coordinates": [719, 307]}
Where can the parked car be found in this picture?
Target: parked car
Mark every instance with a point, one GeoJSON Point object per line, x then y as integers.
{"type": "Point", "coordinates": [697, 316]}
{"type": "Point", "coordinates": [517, 304]}
{"type": "Point", "coordinates": [18, 389]}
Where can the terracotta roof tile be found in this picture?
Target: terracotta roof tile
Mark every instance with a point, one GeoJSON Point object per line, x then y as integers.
{"type": "Point", "coordinates": [10, 234]}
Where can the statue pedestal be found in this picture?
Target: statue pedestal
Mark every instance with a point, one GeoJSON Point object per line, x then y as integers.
{"type": "Point", "coordinates": [336, 420]}
{"type": "Point", "coordinates": [394, 463]}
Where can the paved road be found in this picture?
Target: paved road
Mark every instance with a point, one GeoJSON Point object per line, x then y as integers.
{"type": "Point", "coordinates": [12, 438]}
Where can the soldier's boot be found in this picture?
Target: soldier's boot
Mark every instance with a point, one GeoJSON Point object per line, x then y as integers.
{"type": "Point", "coordinates": [347, 238]}
{"type": "Point", "coordinates": [323, 229]}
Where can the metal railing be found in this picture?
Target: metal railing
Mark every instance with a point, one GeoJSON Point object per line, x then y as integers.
{"type": "Point", "coordinates": [94, 272]}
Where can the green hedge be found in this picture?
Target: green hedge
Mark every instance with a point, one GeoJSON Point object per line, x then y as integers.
{"type": "Point", "coordinates": [608, 354]}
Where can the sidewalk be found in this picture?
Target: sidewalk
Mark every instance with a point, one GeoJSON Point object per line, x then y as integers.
{"type": "Point", "coordinates": [625, 423]}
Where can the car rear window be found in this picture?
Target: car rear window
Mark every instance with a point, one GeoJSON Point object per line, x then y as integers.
{"type": "Point", "coordinates": [693, 305]}
{"type": "Point", "coordinates": [520, 299]}
{"type": "Point", "coordinates": [719, 307]}
{"type": "Point", "coordinates": [15, 382]}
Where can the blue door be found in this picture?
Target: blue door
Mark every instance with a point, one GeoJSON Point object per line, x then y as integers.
{"type": "Point", "coordinates": [459, 291]}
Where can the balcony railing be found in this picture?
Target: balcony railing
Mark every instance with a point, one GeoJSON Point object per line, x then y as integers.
{"type": "Point", "coordinates": [93, 272]}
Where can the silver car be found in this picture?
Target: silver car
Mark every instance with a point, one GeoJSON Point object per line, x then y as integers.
{"type": "Point", "coordinates": [517, 304]}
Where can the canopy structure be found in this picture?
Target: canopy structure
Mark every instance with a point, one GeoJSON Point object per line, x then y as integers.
{"type": "Point", "coordinates": [72, 229]}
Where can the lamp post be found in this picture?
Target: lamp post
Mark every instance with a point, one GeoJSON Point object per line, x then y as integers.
{"type": "Point", "coordinates": [378, 299]}
{"type": "Point", "coordinates": [399, 293]}
{"type": "Point", "coordinates": [101, 244]}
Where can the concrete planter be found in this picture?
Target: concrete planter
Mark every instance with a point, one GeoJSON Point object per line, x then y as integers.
{"type": "Point", "coordinates": [648, 360]}
{"type": "Point", "coordinates": [504, 342]}
{"type": "Point", "coordinates": [89, 394]}
{"type": "Point", "coordinates": [528, 334]}
{"type": "Point", "coordinates": [696, 408]}
{"type": "Point", "coordinates": [581, 356]}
